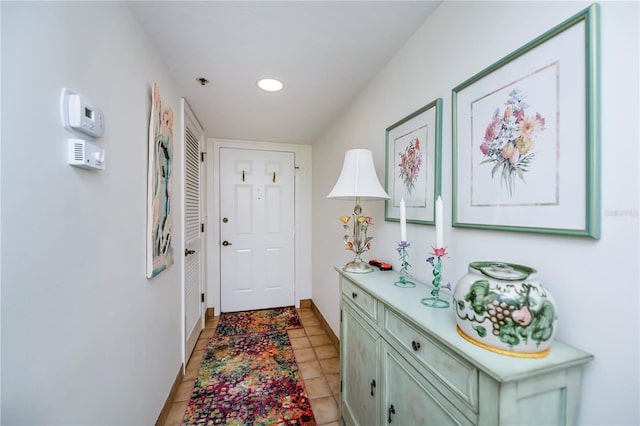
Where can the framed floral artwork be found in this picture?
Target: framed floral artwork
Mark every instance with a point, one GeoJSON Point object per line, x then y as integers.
{"type": "Point", "coordinates": [525, 137]}
{"type": "Point", "coordinates": [413, 160]}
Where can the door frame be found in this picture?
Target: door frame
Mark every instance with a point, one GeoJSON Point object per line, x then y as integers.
{"type": "Point", "coordinates": [302, 217]}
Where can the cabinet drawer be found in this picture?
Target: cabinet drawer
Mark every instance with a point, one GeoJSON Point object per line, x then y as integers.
{"type": "Point", "coordinates": [460, 377]}
{"type": "Point", "coordinates": [363, 300]}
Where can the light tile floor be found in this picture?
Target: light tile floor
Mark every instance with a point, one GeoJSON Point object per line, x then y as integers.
{"type": "Point", "coordinates": [318, 360]}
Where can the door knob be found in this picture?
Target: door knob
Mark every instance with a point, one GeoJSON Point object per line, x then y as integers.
{"type": "Point", "coordinates": [226, 243]}
{"type": "Point", "coordinates": [187, 252]}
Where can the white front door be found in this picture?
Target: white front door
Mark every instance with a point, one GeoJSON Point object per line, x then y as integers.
{"type": "Point", "coordinates": [257, 229]}
{"type": "Point", "coordinates": [192, 293]}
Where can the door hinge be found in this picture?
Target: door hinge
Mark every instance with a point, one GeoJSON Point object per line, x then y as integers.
{"type": "Point", "coordinates": [340, 315]}
{"type": "Point", "coordinates": [202, 227]}
{"type": "Point", "coordinates": [202, 157]}
{"type": "Point", "coordinates": [340, 385]}
{"type": "Point", "coordinates": [202, 297]}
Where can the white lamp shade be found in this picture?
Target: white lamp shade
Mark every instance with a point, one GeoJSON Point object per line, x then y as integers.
{"type": "Point", "coordinates": [358, 178]}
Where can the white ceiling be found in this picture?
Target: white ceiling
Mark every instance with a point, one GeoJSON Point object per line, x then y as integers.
{"type": "Point", "coordinates": [325, 52]}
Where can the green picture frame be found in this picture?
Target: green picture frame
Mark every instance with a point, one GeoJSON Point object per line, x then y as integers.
{"type": "Point", "coordinates": [413, 166]}
{"type": "Point", "coordinates": [525, 136]}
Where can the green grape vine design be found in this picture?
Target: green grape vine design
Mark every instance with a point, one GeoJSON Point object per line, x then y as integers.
{"type": "Point", "coordinates": [513, 319]}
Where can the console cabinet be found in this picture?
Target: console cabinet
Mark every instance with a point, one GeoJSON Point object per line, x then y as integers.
{"type": "Point", "coordinates": [404, 363]}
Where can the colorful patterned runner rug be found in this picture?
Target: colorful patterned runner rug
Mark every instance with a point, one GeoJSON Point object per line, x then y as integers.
{"type": "Point", "coordinates": [278, 319]}
{"type": "Point", "coordinates": [249, 379]}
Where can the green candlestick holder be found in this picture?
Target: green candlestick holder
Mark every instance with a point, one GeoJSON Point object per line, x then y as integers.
{"type": "Point", "coordinates": [435, 301]}
{"type": "Point", "coordinates": [404, 266]}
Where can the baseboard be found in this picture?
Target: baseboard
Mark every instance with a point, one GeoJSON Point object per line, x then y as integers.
{"type": "Point", "coordinates": [305, 303]}
{"type": "Point", "coordinates": [325, 325]}
{"type": "Point", "coordinates": [164, 413]}
{"type": "Point", "coordinates": [211, 312]}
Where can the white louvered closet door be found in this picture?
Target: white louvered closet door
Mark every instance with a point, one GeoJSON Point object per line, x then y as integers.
{"type": "Point", "coordinates": [193, 303]}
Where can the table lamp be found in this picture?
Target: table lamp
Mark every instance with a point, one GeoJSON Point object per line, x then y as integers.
{"type": "Point", "coordinates": [358, 181]}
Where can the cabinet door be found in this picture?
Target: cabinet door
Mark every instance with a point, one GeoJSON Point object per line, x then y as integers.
{"type": "Point", "coordinates": [409, 399]}
{"type": "Point", "coordinates": [359, 370]}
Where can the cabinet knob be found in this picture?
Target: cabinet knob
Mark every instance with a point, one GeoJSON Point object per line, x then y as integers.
{"type": "Point", "coordinates": [392, 410]}
{"type": "Point", "coordinates": [415, 345]}
{"type": "Point", "coordinates": [354, 294]}
{"type": "Point", "coordinates": [373, 386]}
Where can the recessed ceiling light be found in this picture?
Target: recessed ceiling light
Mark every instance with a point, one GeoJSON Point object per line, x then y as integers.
{"type": "Point", "coordinates": [270, 85]}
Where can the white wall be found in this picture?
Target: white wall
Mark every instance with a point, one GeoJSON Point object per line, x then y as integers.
{"type": "Point", "coordinates": [86, 338]}
{"type": "Point", "coordinates": [595, 282]}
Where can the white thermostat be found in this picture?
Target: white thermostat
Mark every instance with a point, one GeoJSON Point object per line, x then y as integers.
{"type": "Point", "coordinates": [86, 154]}
{"type": "Point", "coordinates": [79, 114]}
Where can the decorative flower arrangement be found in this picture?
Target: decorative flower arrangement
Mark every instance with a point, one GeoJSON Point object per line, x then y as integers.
{"type": "Point", "coordinates": [410, 162]}
{"type": "Point", "coordinates": [357, 241]}
{"type": "Point", "coordinates": [510, 138]}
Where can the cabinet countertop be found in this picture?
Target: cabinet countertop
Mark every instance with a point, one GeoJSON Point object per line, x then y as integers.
{"type": "Point", "coordinates": [440, 324]}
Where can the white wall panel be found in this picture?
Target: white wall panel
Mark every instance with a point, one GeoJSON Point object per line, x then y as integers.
{"type": "Point", "coordinates": [86, 338]}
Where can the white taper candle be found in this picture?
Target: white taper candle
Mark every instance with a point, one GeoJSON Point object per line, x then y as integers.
{"type": "Point", "coordinates": [439, 234]}
{"type": "Point", "coordinates": [403, 221]}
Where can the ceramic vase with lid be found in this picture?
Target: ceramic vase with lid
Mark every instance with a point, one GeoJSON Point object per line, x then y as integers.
{"type": "Point", "coordinates": [503, 307]}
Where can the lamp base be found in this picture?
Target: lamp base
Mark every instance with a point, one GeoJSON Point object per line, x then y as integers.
{"type": "Point", "coordinates": [357, 266]}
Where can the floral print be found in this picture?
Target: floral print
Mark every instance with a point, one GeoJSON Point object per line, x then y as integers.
{"type": "Point", "coordinates": [509, 140]}
{"type": "Point", "coordinates": [410, 162]}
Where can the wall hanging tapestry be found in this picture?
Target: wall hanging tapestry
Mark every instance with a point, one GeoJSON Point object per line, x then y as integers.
{"type": "Point", "coordinates": [159, 203]}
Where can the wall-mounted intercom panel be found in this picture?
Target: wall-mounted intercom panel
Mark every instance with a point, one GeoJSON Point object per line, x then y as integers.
{"type": "Point", "coordinates": [80, 114]}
